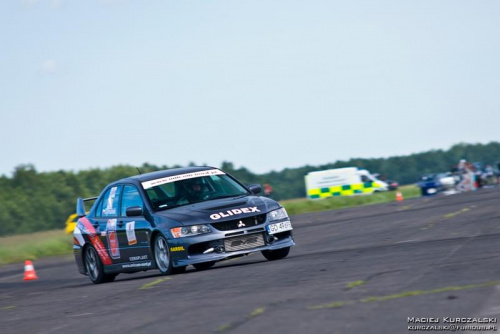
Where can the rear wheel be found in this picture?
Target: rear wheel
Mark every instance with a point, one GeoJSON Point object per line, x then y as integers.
{"type": "Point", "coordinates": [204, 265]}
{"type": "Point", "coordinates": [94, 267]}
{"type": "Point", "coordinates": [110, 277]}
{"type": "Point", "coordinates": [276, 254]}
{"type": "Point", "coordinates": [162, 255]}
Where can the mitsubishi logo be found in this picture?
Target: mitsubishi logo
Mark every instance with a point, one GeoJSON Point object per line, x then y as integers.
{"type": "Point", "coordinates": [241, 224]}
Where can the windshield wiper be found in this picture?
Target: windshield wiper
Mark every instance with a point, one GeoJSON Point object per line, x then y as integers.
{"type": "Point", "coordinates": [227, 196]}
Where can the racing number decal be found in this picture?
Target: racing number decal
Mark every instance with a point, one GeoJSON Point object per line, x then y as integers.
{"type": "Point", "coordinates": [96, 242]}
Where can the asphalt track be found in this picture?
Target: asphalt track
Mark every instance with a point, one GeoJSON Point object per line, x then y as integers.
{"type": "Point", "coordinates": [360, 270]}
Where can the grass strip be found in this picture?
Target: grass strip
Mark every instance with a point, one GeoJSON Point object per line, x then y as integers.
{"type": "Point", "coordinates": [34, 246]}
{"type": "Point", "coordinates": [298, 206]}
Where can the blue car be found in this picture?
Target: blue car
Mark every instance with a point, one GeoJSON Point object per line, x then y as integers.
{"type": "Point", "coordinates": [170, 219]}
{"type": "Point", "coordinates": [429, 185]}
{"type": "Point", "coordinates": [432, 184]}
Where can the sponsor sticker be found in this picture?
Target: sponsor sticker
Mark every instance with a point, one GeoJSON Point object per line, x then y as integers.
{"type": "Point", "coordinates": [233, 212]}
{"type": "Point", "coordinates": [112, 236]}
{"type": "Point", "coordinates": [177, 249]}
{"type": "Point", "coordinates": [130, 227]}
{"type": "Point", "coordinates": [157, 182]}
{"type": "Point", "coordinates": [77, 236]}
{"type": "Point", "coordinates": [137, 265]}
{"type": "Point", "coordinates": [95, 241]}
{"type": "Point", "coordinates": [109, 206]}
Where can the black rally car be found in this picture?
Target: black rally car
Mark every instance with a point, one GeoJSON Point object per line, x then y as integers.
{"type": "Point", "coordinates": [170, 219]}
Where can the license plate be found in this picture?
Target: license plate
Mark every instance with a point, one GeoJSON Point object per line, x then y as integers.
{"type": "Point", "coordinates": [279, 227]}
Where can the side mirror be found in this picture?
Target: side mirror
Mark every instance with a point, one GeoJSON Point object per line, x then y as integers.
{"type": "Point", "coordinates": [134, 211]}
{"type": "Point", "coordinates": [255, 188]}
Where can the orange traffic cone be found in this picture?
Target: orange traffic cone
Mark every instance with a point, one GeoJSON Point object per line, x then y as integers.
{"type": "Point", "coordinates": [29, 271]}
{"type": "Point", "coordinates": [399, 196]}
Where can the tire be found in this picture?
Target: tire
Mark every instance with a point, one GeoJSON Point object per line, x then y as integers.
{"type": "Point", "coordinates": [277, 254]}
{"type": "Point", "coordinates": [110, 278]}
{"type": "Point", "coordinates": [178, 270]}
{"type": "Point", "coordinates": [162, 256]}
{"type": "Point", "coordinates": [94, 267]}
{"type": "Point", "coordinates": [204, 265]}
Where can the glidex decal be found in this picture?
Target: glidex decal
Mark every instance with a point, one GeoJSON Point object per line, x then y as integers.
{"type": "Point", "coordinates": [233, 212]}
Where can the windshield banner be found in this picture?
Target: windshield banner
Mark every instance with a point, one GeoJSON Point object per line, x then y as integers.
{"type": "Point", "coordinates": [157, 182]}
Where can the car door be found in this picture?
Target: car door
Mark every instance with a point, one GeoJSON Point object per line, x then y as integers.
{"type": "Point", "coordinates": [106, 222]}
{"type": "Point", "coordinates": [134, 232]}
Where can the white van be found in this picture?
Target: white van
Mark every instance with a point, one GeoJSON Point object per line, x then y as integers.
{"type": "Point", "coordinates": [346, 181]}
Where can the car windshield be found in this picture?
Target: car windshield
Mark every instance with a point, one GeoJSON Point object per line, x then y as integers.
{"type": "Point", "coordinates": [184, 189]}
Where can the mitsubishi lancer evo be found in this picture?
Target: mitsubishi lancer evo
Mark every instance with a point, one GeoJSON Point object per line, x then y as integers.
{"type": "Point", "coordinates": [168, 220]}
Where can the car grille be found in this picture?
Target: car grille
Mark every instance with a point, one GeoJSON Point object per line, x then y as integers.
{"type": "Point", "coordinates": [233, 224]}
{"type": "Point", "coordinates": [244, 242]}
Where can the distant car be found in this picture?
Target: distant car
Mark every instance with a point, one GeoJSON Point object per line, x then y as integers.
{"type": "Point", "coordinates": [432, 184]}
{"type": "Point", "coordinates": [170, 219]}
{"type": "Point", "coordinates": [392, 185]}
{"type": "Point", "coordinates": [447, 180]}
{"type": "Point", "coordinates": [71, 223]}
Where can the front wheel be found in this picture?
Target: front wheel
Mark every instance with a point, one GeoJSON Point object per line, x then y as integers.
{"type": "Point", "coordinates": [162, 255]}
{"type": "Point", "coordinates": [277, 254]}
{"type": "Point", "coordinates": [178, 270]}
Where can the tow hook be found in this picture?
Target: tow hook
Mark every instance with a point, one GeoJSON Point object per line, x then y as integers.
{"type": "Point", "coordinates": [271, 239]}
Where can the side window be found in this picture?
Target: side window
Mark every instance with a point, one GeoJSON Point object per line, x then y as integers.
{"type": "Point", "coordinates": [365, 178]}
{"type": "Point", "coordinates": [109, 203]}
{"type": "Point", "coordinates": [131, 197]}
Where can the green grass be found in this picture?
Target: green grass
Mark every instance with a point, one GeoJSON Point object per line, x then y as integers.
{"type": "Point", "coordinates": [303, 205]}
{"type": "Point", "coordinates": [37, 245]}
{"type": "Point", "coordinates": [34, 246]}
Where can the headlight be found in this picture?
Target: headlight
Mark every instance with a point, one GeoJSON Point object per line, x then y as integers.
{"type": "Point", "coordinates": [278, 214]}
{"type": "Point", "coordinates": [188, 231]}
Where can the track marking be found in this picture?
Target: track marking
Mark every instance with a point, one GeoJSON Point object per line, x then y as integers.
{"type": "Point", "coordinates": [79, 315]}
{"type": "Point", "coordinates": [152, 284]}
{"type": "Point", "coordinates": [354, 284]}
{"type": "Point", "coordinates": [453, 214]}
{"type": "Point", "coordinates": [255, 313]}
{"type": "Point", "coordinates": [407, 241]}
{"type": "Point", "coordinates": [405, 207]}
{"type": "Point", "coordinates": [404, 294]}
{"type": "Point", "coordinates": [447, 216]}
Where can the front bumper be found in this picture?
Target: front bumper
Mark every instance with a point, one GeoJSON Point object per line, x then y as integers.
{"type": "Point", "coordinates": [227, 240]}
{"type": "Point", "coordinates": [284, 242]}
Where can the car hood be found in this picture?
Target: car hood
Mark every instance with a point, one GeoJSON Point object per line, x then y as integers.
{"type": "Point", "coordinates": [220, 210]}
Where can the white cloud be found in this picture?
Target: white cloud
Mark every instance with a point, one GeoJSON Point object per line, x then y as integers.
{"type": "Point", "coordinates": [30, 3]}
{"type": "Point", "coordinates": [56, 4]}
{"type": "Point", "coordinates": [49, 66]}
{"type": "Point", "coordinates": [114, 2]}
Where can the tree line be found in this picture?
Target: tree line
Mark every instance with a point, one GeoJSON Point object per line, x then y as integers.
{"type": "Point", "coordinates": [31, 201]}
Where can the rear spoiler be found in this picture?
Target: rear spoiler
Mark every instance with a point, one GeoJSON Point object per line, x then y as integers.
{"type": "Point", "coordinates": [80, 206]}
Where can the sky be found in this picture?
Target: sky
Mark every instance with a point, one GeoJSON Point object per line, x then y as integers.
{"type": "Point", "coordinates": [264, 84]}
